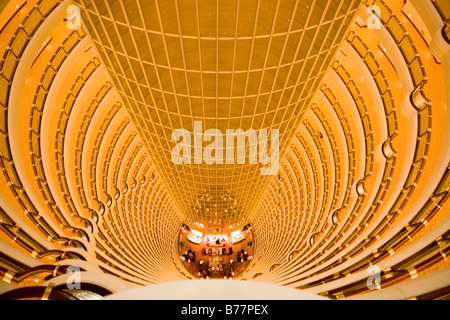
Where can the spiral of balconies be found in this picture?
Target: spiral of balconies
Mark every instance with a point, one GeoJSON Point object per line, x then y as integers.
{"type": "Point", "coordinates": [73, 168]}
{"type": "Point", "coordinates": [364, 181]}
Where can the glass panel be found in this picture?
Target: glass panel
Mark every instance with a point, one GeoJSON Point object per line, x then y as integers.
{"type": "Point", "coordinates": [371, 64]}
{"type": "Point", "coordinates": [71, 42]}
{"type": "Point", "coordinates": [65, 188]}
{"type": "Point", "coordinates": [4, 146]}
{"type": "Point", "coordinates": [353, 91]}
{"type": "Point", "coordinates": [344, 76]}
{"type": "Point", "coordinates": [46, 6]}
{"type": "Point", "coordinates": [422, 147]}
{"type": "Point", "coordinates": [77, 87]}
{"type": "Point", "coordinates": [387, 170]}
{"type": "Point", "coordinates": [48, 78]}
{"type": "Point", "coordinates": [369, 144]}
{"type": "Point", "coordinates": [366, 126]}
{"type": "Point", "coordinates": [381, 83]}
{"type": "Point", "coordinates": [40, 99]}
{"type": "Point", "coordinates": [416, 72]}
{"type": "Point", "coordinates": [379, 195]}
{"type": "Point", "coordinates": [385, 14]}
{"type": "Point", "coordinates": [35, 120]}
{"type": "Point", "coordinates": [424, 120]}
{"type": "Point", "coordinates": [395, 29]}
{"type": "Point", "coordinates": [444, 183]}
{"type": "Point", "coordinates": [113, 111]}
{"type": "Point", "coordinates": [46, 229]}
{"type": "Point", "coordinates": [78, 159]}
{"type": "Point", "coordinates": [407, 49]}
{"type": "Point", "coordinates": [359, 47]}
{"type": "Point", "coordinates": [391, 123]}
{"type": "Point", "coordinates": [339, 111]}
{"type": "Point", "coordinates": [103, 91]}
{"type": "Point", "coordinates": [35, 143]}
{"type": "Point", "coordinates": [12, 174]}
{"type": "Point", "coordinates": [80, 141]}
{"type": "Point", "coordinates": [351, 37]}
{"type": "Point", "coordinates": [4, 91]}
{"type": "Point", "coordinates": [412, 176]}
{"type": "Point", "coordinates": [19, 43]}
{"type": "Point", "coordinates": [39, 168]}
{"type": "Point", "coordinates": [58, 59]}
{"type": "Point", "coordinates": [346, 129]}
{"type": "Point", "coordinates": [63, 122]}
{"type": "Point", "coordinates": [369, 163]}
{"type": "Point", "coordinates": [69, 104]}
{"type": "Point", "coordinates": [60, 163]}
{"type": "Point", "coordinates": [60, 143]}
{"type": "Point", "coordinates": [32, 22]}
{"type": "Point", "coordinates": [3, 119]}
{"type": "Point", "coordinates": [88, 71]}
{"type": "Point", "coordinates": [424, 212]}
{"type": "Point", "coordinates": [399, 202]}
{"type": "Point", "coordinates": [387, 101]}
{"type": "Point", "coordinates": [9, 65]}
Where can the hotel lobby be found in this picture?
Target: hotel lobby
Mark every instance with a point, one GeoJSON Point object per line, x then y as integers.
{"type": "Point", "coordinates": [187, 149]}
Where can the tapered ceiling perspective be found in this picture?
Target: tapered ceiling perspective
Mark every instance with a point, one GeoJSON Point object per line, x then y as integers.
{"type": "Point", "coordinates": [227, 64]}
{"type": "Point", "coordinates": [347, 199]}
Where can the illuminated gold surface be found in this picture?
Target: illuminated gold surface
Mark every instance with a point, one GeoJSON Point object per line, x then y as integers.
{"type": "Point", "coordinates": [229, 64]}
{"type": "Point", "coordinates": [364, 182]}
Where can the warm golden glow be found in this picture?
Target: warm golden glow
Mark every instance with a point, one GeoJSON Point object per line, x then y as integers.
{"type": "Point", "coordinates": [91, 91]}
{"type": "Point", "coordinates": [228, 64]}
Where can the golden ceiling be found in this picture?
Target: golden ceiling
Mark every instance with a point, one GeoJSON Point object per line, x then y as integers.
{"type": "Point", "coordinates": [228, 64]}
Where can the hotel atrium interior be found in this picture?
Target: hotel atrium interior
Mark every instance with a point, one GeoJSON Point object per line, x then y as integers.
{"type": "Point", "coordinates": [92, 205]}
